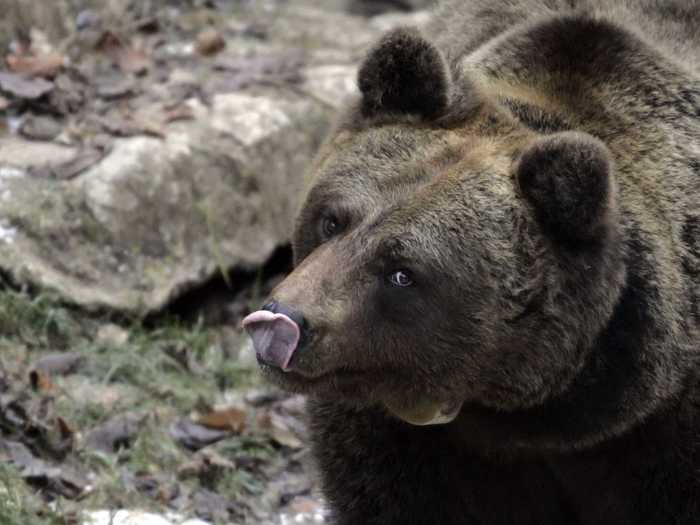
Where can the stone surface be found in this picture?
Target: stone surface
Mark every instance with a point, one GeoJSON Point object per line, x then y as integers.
{"type": "Point", "coordinates": [161, 214]}
{"type": "Point", "coordinates": [126, 517]}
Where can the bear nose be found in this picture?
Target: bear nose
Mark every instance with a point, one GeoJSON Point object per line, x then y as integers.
{"type": "Point", "coordinates": [276, 307]}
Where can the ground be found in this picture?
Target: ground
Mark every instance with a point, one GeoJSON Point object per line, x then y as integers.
{"type": "Point", "coordinates": [137, 395]}
{"type": "Point", "coordinates": [161, 414]}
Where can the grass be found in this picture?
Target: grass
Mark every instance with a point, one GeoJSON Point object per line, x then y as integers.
{"type": "Point", "coordinates": [19, 506]}
{"type": "Point", "coordinates": [165, 369]}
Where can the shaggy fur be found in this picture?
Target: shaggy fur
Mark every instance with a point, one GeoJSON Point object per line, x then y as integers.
{"type": "Point", "coordinates": [534, 167]}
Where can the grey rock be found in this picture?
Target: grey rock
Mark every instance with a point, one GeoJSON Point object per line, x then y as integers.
{"type": "Point", "coordinates": [156, 216]}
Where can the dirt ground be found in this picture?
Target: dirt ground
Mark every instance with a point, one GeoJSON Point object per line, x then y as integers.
{"type": "Point", "coordinates": [102, 411]}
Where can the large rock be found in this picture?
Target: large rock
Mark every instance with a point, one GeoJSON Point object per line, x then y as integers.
{"type": "Point", "coordinates": [159, 215]}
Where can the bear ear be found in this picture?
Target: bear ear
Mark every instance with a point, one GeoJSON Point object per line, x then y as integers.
{"type": "Point", "coordinates": [404, 74]}
{"type": "Point", "coordinates": [567, 178]}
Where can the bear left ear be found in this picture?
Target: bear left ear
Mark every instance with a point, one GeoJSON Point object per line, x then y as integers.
{"type": "Point", "coordinates": [567, 178]}
{"type": "Point", "coordinates": [404, 74]}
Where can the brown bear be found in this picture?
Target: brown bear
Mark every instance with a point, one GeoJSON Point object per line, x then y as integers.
{"type": "Point", "coordinates": [494, 309]}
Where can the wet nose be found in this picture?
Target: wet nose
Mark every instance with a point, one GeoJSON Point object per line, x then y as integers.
{"type": "Point", "coordinates": [276, 307]}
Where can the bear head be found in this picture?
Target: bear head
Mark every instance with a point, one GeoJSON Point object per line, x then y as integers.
{"type": "Point", "coordinates": [444, 253]}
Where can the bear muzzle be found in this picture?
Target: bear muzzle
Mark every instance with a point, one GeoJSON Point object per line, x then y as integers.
{"type": "Point", "coordinates": [276, 332]}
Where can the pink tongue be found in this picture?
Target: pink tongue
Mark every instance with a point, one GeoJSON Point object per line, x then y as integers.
{"type": "Point", "coordinates": [275, 337]}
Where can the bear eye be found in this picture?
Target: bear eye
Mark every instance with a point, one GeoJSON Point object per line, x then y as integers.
{"type": "Point", "coordinates": [401, 278]}
{"type": "Point", "coordinates": [329, 226]}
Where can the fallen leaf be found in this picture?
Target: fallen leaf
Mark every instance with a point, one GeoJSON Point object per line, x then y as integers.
{"type": "Point", "coordinates": [202, 462]}
{"type": "Point", "coordinates": [279, 429]}
{"type": "Point", "coordinates": [214, 507]}
{"type": "Point", "coordinates": [116, 433]}
{"type": "Point", "coordinates": [181, 112]}
{"type": "Point", "coordinates": [132, 60]}
{"type": "Point", "coordinates": [39, 473]}
{"type": "Point", "coordinates": [65, 430]}
{"type": "Point", "coordinates": [209, 42]}
{"type": "Point", "coordinates": [23, 87]}
{"type": "Point", "coordinates": [84, 159]}
{"type": "Point", "coordinates": [40, 381]}
{"type": "Point", "coordinates": [281, 66]}
{"type": "Point", "coordinates": [262, 396]}
{"type": "Point", "coordinates": [40, 128]}
{"type": "Point", "coordinates": [225, 419]}
{"type": "Point", "coordinates": [36, 66]}
{"type": "Point", "coordinates": [131, 126]}
{"type": "Point", "coordinates": [194, 436]}
{"type": "Point", "coordinates": [305, 505]}
{"type": "Point", "coordinates": [115, 88]}
{"type": "Point", "coordinates": [87, 19]}
{"type": "Point", "coordinates": [59, 363]}
{"type": "Point", "coordinates": [108, 42]}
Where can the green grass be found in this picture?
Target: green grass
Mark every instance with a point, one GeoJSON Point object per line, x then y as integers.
{"type": "Point", "coordinates": [19, 506]}
{"type": "Point", "coordinates": [37, 321]}
{"type": "Point", "coordinates": [165, 369]}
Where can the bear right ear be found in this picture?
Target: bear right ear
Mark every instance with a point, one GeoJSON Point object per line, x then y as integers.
{"type": "Point", "coordinates": [567, 178]}
{"type": "Point", "coordinates": [404, 74]}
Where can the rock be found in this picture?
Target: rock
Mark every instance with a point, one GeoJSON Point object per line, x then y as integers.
{"type": "Point", "coordinates": [19, 155]}
{"type": "Point", "coordinates": [135, 517]}
{"type": "Point", "coordinates": [156, 216]}
{"type": "Point", "coordinates": [112, 335]}
{"type": "Point", "coordinates": [40, 128]}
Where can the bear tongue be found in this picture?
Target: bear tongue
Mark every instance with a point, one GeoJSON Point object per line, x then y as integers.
{"type": "Point", "coordinates": [275, 337]}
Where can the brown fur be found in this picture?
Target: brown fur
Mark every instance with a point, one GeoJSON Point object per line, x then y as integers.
{"type": "Point", "coordinates": [543, 197]}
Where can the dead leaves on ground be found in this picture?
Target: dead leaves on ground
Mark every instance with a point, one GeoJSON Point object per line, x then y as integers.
{"type": "Point", "coordinates": [45, 66]}
{"type": "Point", "coordinates": [19, 86]}
{"type": "Point", "coordinates": [210, 42]}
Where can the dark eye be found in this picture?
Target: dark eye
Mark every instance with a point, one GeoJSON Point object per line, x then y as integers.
{"type": "Point", "coordinates": [329, 226]}
{"type": "Point", "coordinates": [401, 278]}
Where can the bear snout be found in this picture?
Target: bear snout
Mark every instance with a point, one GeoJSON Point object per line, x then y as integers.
{"type": "Point", "coordinates": [277, 332]}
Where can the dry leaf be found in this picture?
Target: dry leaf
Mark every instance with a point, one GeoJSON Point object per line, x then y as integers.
{"type": "Point", "coordinates": [209, 42]}
{"type": "Point", "coordinates": [132, 60]}
{"type": "Point", "coordinates": [65, 430]}
{"type": "Point", "coordinates": [84, 159]}
{"type": "Point", "coordinates": [279, 429]}
{"type": "Point", "coordinates": [195, 436]}
{"type": "Point", "coordinates": [59, 363]}
{"type": "Point", "coordinates": [226, 419]}
{"type": "Point", "coordinates": [203, 461]}
{"type": "Point", "coordinates": [116, 433]}
{"type": "Point", "coordinates": [181, 112]}
{"type": "Point", "coordinates": [36, 66]}
{"type": "Point", "coordinates": [40, 128]}
{"type": "Point", "coordinates": [47, 477]}
{"type": "Point", "coordinates": [130, 126]}
{"type": "Point", "coordinates": [40, 381]}
{"type": "Point", "coordinates": [115, 87]}
{"type": "Point", "coordinates": [109, 42]}
{"type": "Point", "coordinates": [22, 87]}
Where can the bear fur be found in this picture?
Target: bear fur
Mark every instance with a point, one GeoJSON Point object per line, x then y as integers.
{"type": "Point", "coordinates": [498, 271]}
